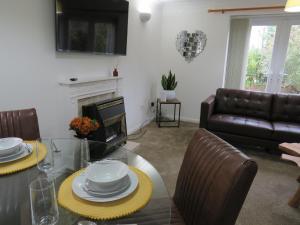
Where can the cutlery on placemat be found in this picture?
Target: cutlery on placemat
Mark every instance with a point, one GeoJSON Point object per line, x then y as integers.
{"type": "Point", "coordinates": [86, 222]}
{"type": "Point", "coordinates": [27, 148]}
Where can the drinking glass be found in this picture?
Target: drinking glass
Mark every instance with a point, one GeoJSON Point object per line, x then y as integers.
{"type": "Point", "coordinates": [44, 210]}
{"type": "Point", "coordinates": [85, 153]}
{"type": "Point", "coordinates": [47, 164]}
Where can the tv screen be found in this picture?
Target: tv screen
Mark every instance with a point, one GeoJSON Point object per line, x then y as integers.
{"type": "Point", "coordinates": [97, 26]}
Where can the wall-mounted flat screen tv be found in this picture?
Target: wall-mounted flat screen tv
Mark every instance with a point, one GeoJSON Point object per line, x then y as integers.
{"type": "Point", "coordinates": [95, 26]}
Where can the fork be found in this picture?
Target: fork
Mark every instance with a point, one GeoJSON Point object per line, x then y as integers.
{"type": "Point", "coordinates": [27, 148]}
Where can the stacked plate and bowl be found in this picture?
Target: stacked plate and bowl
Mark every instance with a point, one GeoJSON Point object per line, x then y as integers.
{"type": "Point", "coordinates": [105, 181]}
{"type": "Point", "coordinates": [12, 149]}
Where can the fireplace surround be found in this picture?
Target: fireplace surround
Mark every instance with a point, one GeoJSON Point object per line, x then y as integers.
{"type": "Point", "coordinates": [86, 90]}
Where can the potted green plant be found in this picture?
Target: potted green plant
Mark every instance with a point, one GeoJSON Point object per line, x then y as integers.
{"type": "Point", "coordinates": [169, 84]}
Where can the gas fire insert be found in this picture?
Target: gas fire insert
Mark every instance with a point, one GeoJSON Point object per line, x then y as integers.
{"type": "Point", "coordinates": [113, 130]}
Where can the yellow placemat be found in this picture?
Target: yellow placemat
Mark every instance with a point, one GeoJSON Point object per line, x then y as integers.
{"type": "Point", "coordinates": [108, 210]}
{"type": "Point", "coordinates": [24, 163]}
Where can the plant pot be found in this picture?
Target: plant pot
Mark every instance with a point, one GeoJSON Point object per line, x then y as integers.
{"type": "Point", "coordinates": [80, 136]}
{"type": "Point", "coordinates": [91, 149]}
{"type": "Point", "coordinates": [169, 94]}
{"type": "Point", "coordinates": [163, 96]}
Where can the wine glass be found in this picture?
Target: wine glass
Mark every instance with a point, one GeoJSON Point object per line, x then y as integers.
{"type": "Point", "coordinates": [44, 210]}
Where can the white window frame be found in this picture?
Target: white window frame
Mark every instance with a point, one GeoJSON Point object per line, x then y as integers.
{"type": "Point", "coordinates": [283, 26]}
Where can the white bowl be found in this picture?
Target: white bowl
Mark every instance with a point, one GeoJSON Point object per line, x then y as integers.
{"type": "Point", "coordinates": [106, 176]}
{"type": "Point", "coordinates": [9, 145]}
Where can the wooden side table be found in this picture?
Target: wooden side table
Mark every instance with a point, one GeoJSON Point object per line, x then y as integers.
{"type": "Point", "coordinates": [159, 120]}
{"type": "Point", "coordinates": [293, 154]}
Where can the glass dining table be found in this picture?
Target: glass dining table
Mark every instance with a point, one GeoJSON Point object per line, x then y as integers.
{"type": "Point", "coordinates": [68, 158]}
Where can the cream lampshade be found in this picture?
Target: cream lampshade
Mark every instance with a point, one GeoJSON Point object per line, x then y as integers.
{"type": "Point", "coordinates": [292, 6]}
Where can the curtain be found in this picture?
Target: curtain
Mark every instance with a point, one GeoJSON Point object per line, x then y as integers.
{"type": "Point", "coordinates": [237, 50]}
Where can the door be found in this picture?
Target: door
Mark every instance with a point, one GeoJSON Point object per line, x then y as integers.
{"type": "Point", "coordinates": [261, 46]}
{"type": "Point", "coordinates": [290, 80]}
{"type": "Point", "coordinates": [273, 60]}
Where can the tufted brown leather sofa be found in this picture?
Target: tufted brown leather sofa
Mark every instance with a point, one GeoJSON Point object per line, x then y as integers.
{"type": "Point", "coordinates": [252, 118]}
{"type": "Point", "coordinates": [19, 123]}
{"type": "Point", "coordinates": [213, 182]}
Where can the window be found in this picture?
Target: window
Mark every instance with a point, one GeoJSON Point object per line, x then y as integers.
{"type": "Point", "coordinates": [273, 59]}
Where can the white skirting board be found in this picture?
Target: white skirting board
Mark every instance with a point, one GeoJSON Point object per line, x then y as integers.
{"type": "Point", "coordinates": [190, 120]}
{"type": "Point", "coordinates": [142, 125]}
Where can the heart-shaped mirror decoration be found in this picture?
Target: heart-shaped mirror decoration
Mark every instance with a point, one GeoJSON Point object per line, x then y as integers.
{"type": "Point", "coordinates": [190, 45]}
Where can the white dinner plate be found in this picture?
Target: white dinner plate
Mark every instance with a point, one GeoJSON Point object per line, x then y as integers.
{"type": "Point", "coordinates": [15, 154]}
{"type": "Point", "coordinates": [26, 149]}
{"type": "Point", "coordinates": [79, 182]}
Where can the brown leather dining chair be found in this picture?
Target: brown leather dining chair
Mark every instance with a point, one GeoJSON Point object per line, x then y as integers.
{"type": "Point", "coordinates": [19, 123]}
{"type": "Point", "coordinates": [213, 182]}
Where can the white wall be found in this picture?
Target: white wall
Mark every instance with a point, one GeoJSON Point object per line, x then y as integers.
{"type": "Point", "coordinates": [30, 66]}
{"type": "Point", "coordinates": [201, 77]}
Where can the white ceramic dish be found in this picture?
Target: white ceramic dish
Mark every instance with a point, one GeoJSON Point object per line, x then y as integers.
{"type": "Point", "coordinates": [106, 175]}
{"type": "Point", "coordinates": [26, 150]}
{"type": "Point", "coordinates": [13, 155]}
{"type": "Point", "coordinates": [9, 145]}
{"type": "Point", "coordinates": [79, 182]}
{"type": "Point", "coordinates": [108, 193]}
{"type": "Point", "coordinates": [108, 189]}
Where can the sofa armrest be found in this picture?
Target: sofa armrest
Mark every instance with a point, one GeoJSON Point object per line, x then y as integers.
{"type": "Point", "coordinates": [207, 108]}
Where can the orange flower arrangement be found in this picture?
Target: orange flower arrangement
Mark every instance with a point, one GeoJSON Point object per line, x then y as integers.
{"type": "Point", "coordinates": [84, 125]}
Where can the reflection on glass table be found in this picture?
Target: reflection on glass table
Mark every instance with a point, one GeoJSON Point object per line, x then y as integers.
{"type": "Point", "coordinates": [69, 156]}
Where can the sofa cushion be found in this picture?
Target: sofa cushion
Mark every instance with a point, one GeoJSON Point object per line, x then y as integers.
{"type": "Point", "coordinates": [241, 125]}
{"type": "Point", "coordinates": [286, 131]}
{"type": "Point", "coordinates": [286, 108]}
{"type": "Point", "coordinates": [244, 103]}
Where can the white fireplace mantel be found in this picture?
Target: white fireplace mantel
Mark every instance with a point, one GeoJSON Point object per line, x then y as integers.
{"type": "Point", "coordinates": [81, 80]}
{"type": "Point", "coordinates": [86, 87]}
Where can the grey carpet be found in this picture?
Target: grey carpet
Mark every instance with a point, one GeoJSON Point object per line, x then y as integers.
{"type": "Point", "coordinates": [266, 202]}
